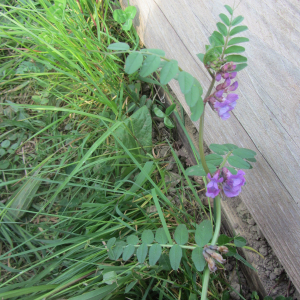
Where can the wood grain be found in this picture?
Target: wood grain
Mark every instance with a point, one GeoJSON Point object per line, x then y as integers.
{"type": "Point", "coordinates": [267, 116]}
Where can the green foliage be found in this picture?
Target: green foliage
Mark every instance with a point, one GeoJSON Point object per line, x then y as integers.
{"type": "Point", "coordinates": [203, 233]}
{"type": "Point", "coordinates": [125, 17]}
{"type": "Point", "coordinates": [234, 156]}
{"type": "Point", "coordinates": [167, 121]}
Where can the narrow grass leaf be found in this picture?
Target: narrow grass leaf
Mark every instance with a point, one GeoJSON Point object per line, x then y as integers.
{"type": "Point", "coordinates": [181, 234]}
{"type": "Point", "coordinates": [168, 72]}
{"type": "Point", "coordinates": [154, 254]}
{"type": "Point", "coordinates": [203, 233]}
{"type": "Point", "coordinates": [186, 81]}
{"type": "Point", "coordinates": [175, 256]}
{"type": "Point", "coordinates": [198, 259]}
{"type": "Point", "coordinates": [142, 252]}
{"type": "Point", "coordinates": [25, 291]}
{"type": "Point", "coordinates": [160, 236]}
{"type": "Point", "coordinates": [161, 216]}
{"type": "Point", "coordinates": [150, 65]}
{"type": "Point", "coordinates": [133, 62]}
{"type": "Point", "coordinates": [130, 286]}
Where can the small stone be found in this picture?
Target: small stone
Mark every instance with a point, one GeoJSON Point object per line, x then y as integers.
{"type": "Point", "coordinates": [273, 276]}
{"type": "Point", "coordinates": [172, 178]}
{"type": "Point", "coordinates": [251, 221]}
{"type": "Point", "coordinates": [233, 294]}
{"type": "Point", "coordinates": [161, 125]}
{"type": "Point", "coordinates": [277, 271]}
{"type": "Point", "coordinates": [263, 251]}
{"type": "Point", "coordinates": [171, 164]}
{"type": "Point", "coordinates": [151, 209]}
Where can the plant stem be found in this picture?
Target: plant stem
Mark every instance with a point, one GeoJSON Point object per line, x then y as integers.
{"type": "Point", "coordinates": [201, 129]}
{"type": "Point", "coordinates": [206, 274]}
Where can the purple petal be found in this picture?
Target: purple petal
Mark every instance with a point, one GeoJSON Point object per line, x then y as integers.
{"type": "Point", "coordinates": [225, 75]}
{"type": "Point", "coordinates": [233, 87]}
{"type": "Point", "coordinates": [232, 75]}
{"type": "Point", "coordinates": [218, 77]}
{"type": "Point", "coordinates": [226, 83]}
{"type": "Point", "coordinates": [232, 97]}
{"type": "Point", "coordinates": [219, 93]}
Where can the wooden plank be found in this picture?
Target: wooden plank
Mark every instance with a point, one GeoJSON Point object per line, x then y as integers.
{"type": "Point", "coordinates": [267, 115]}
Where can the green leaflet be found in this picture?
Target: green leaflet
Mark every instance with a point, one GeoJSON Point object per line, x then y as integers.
{"type": "Point", "coordinates": [203, 233]}
{"type": "Point", "coordinates": [175, 256]}
{"type": "Point", "coordinates": [154, 254]}
{"type": "Point", "coordinates": [181, 234]}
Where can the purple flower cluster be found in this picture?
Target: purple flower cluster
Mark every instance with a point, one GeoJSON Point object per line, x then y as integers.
{"type": "Point", "coordinates": [232, 184]}
{"type": "Point", "coordinates": [218, 102]}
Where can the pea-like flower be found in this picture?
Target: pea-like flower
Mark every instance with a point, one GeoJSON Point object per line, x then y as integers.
{"type": "Point", "coordinates": [233, 183]}
{"type": "Point", "coordinates": [212, 188]}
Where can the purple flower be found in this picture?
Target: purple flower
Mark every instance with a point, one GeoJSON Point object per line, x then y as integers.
{"type": "Point", "coordinates": [233, 183]}
{"type": "Point", "coordinates": [223, 108]}
{"type": "Point", "coordinates": [212, 187]}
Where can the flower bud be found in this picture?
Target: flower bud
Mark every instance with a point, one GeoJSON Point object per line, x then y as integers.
{"type": "Point", "coordinates": [222, 249]}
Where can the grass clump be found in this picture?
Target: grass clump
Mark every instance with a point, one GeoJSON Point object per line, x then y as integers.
{"type": "Point", "coordinates": [76, 162]}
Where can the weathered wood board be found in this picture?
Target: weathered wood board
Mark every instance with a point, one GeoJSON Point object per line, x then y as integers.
{"type": "Point", "coordinates": [267, 117]}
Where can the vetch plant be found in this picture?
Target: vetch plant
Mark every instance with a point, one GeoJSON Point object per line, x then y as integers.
{"type": "Point", "coordinates": [223, 168]}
